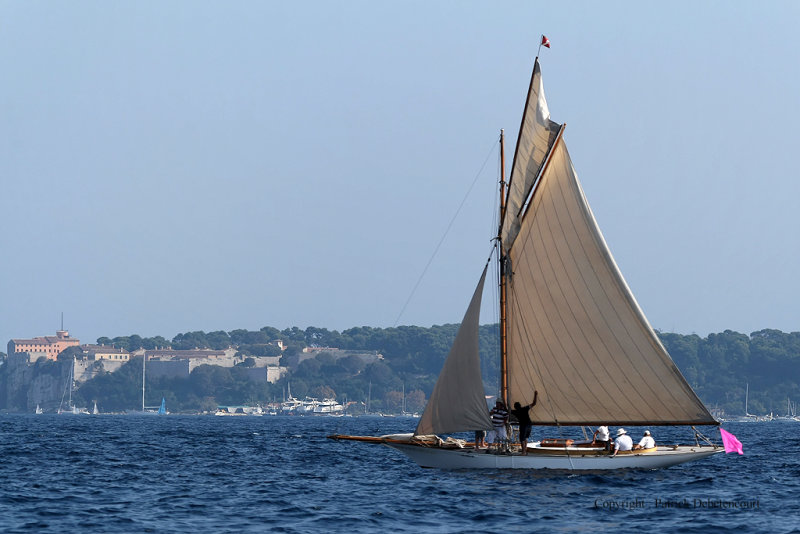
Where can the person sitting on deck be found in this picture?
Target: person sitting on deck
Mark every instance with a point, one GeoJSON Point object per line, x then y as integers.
{"type": "Point", "coordinates": [525, 424]}
{"type": "Point", "coordinates": [623, 442]}
{"type": "Point", "coordinates": [601, 438]}
{"type": "Point", "coordinates": [647, 442]}
{"type": "Point", "coordinates": [499, 416]}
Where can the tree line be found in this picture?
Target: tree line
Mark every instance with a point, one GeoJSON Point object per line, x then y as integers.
{"type": "Point", "coordinates": [719, 367]}
{"type": "Point", "coordinates": [412, 359]}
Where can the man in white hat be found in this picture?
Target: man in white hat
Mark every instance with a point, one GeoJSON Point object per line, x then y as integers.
{"type": "Point", "coordinates": [623, 442]}
{"type": "Point", "coordinates": [647, 442]}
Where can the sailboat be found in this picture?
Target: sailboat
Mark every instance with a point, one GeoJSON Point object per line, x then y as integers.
{"type": "Point", "coordinates": [69, 387]}
{"type": "Point", "coordinates": [748, 416]}
{"type": "Point", "coordinates": [162, 410]}
{"type": "Point", "coordinates": [570, 328]}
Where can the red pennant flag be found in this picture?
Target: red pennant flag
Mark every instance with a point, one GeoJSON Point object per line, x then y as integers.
{"type": "Point", "coordinates": [545, 41]}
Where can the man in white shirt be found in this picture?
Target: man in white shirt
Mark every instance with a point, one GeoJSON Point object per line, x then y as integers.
{"type": "Point", "coordinates": [623, 442]}
{"type": "Point", "coordinates": [601, 437]}
{"type": "Point", "coordinates": [647, 442]}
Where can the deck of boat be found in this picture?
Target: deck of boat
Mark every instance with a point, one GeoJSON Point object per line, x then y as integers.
{"type": "Point", "coordinates": [458, 454]}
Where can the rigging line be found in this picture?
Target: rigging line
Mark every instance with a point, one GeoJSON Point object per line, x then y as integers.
{"type": "Point", "coordinates": [566, 447]}
{"type": "Point", "coordinates": [705, 438]}
{"type": "Point", "coordinates": [447, 230]}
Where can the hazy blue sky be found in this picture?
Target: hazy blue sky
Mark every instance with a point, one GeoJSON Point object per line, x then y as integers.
{"type": "Point", "coordinates": [177, 166]}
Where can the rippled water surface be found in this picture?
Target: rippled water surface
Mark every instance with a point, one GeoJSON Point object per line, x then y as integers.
{"type": "Point", "coordinates": [280, 474]}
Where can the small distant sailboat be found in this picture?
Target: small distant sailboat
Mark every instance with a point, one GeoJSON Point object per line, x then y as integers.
{"type": "Point", "coordinates": [95, 411]}
{"type": "Point", "coordinates": [162, 410]}
{"type": "Point", "coordinates": [149, 410]}
{"type": "Point", "coordinates": [749, 417]}
{"type": "Point", "coordinates": [570, 328]}
{"type": "Point", "coordinates": [70, 385]}
{"type": "Point", "coordinates": [746, 398]}
{"type": "Point", "coordinates": [39, 410]}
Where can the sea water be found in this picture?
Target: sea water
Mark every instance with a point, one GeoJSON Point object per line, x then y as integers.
{"type": "Point", "coordinates": [109, 473]}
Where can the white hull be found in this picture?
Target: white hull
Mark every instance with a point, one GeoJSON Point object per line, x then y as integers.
{"type": "Point", "coordinates": [328, 407]}
{"type": "Point", "coordinates": [74, 411]}
{"type": "Point", "coordinates": [576, 460]}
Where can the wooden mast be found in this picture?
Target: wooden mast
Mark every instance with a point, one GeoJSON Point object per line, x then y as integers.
{"type": "Point", "coordinates": [501, 258]}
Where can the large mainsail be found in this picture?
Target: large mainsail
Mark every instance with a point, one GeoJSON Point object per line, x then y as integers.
{"type": "Point", "coordinates": [575, 331]}
{"type": "Point", "coordinates": [457, 403]}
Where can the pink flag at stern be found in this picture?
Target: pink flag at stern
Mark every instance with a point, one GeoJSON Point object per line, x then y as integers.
{"type": "Point", "coordinates": [730, 442]}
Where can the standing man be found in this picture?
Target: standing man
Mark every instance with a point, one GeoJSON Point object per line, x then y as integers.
{"type": "Point", "coordinates": [499, 416]}
{"type": "Point", "coordinates": [601, 437]}
{"type": "Point", "coordinates": [525, 424]}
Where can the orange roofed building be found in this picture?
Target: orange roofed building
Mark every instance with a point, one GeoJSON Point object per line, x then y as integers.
{"type": "Point", "coordinates": [47, 346]}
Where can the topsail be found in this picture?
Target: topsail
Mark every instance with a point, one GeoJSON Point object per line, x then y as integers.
{"type": "Point", "coordinates": [537, 133]}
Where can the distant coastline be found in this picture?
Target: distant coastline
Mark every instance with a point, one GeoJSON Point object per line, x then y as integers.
{"type": "Point", "coordinates": [261, 367]}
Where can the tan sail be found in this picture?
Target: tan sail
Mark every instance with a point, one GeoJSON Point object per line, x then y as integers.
{"type": "Point", "coordinates": [537, 134]}
{"type": "Point", "coordinates": [570, 329]}
{"type": "Point", "coordinates": [576, 333]}
{"type": "Point", "coordinates": [457, 403]}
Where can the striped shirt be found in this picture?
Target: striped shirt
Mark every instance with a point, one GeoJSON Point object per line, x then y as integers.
{"type": "Point", "coordinates": [499, 416]}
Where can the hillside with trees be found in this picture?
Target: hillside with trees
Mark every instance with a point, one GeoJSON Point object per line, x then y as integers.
{"type": "Point", "coordinates": [719, 367]}
{"type": "Point", "coordinates": [413, 357]}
